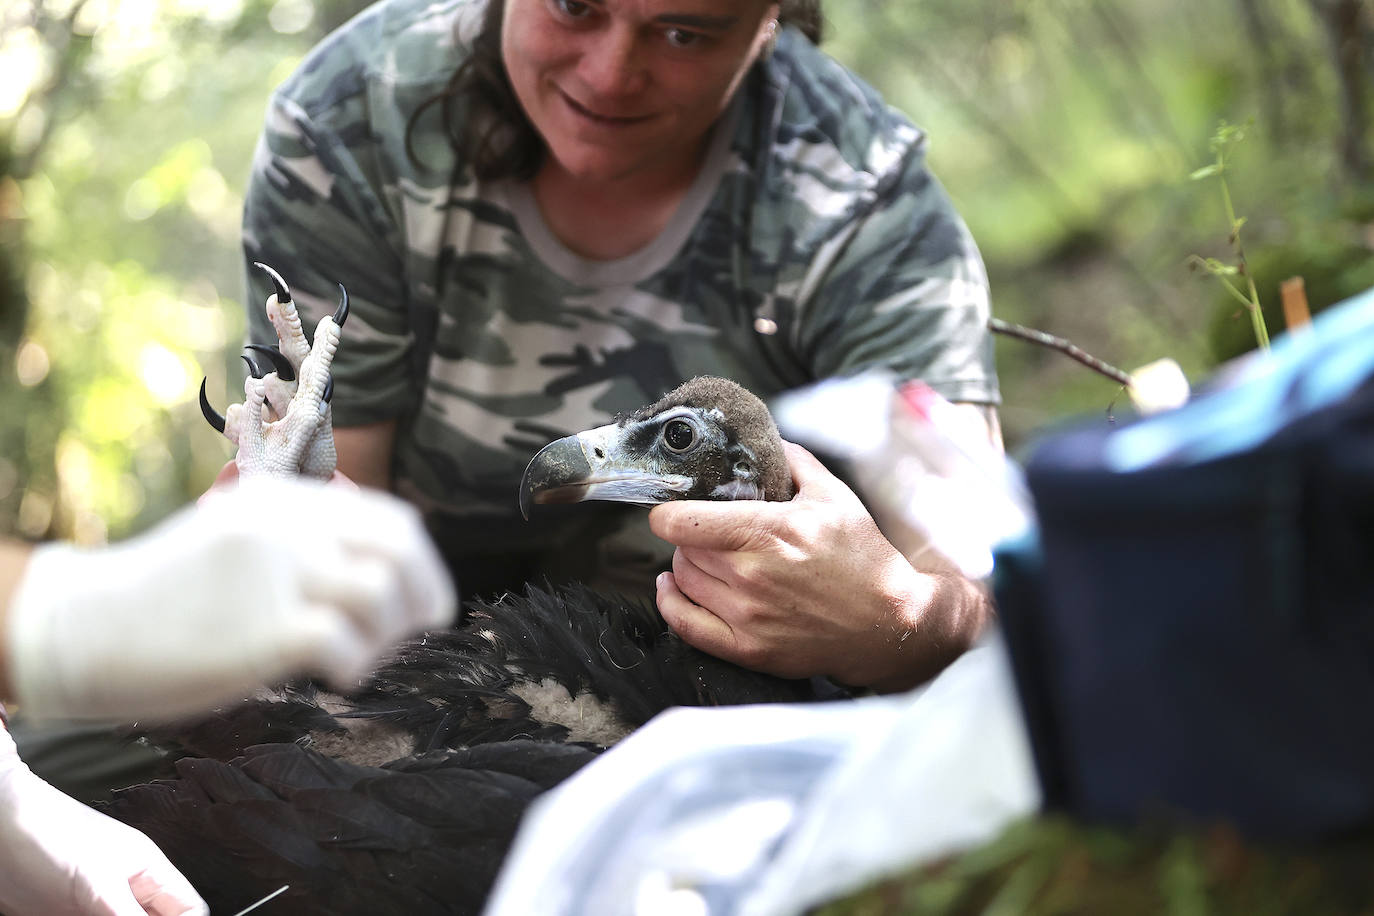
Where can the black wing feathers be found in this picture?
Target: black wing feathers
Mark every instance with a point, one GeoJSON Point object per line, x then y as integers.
{"type": "Point", "coordinates": [426, 836]}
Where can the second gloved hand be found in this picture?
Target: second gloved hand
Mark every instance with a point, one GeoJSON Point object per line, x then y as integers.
{"type": "Point", "coordinates": [64, 859]}
{"type": "Point", "coordinates": [257, 583]}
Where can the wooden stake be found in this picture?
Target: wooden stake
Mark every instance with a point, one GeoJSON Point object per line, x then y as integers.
{"type": "Point", "coordinates": [1295, 311]}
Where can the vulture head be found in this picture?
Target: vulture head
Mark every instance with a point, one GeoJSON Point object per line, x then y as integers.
{"type": "Point", "coordinates": [706, 439]}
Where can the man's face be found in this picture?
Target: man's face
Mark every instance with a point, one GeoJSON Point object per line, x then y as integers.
{"type": "Point", "coordinates": [617, 87]}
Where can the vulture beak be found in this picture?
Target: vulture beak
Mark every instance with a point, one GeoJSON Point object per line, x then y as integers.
{"type": "Point", "coordinates": [597, 464]}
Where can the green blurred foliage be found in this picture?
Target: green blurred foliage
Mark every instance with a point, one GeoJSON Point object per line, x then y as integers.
{"type": "Point", "coordinates": [1065, 130]}
{"type": "Point", "coordinates": [126, 158]}
{"type": "Point", "coordinates": [1052, 865]}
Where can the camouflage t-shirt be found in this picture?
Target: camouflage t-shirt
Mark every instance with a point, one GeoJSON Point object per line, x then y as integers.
{"type": "Point", "coordinates": [813, 243]}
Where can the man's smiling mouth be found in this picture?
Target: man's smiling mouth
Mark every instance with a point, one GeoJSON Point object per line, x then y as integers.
{"type": "Point", "coordinates": [609, 121]}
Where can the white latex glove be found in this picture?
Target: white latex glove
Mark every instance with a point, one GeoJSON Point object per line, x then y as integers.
{"type": "Point", "coordinates": [260, 581]}
{"type": "Point", "coordinates": [60, 857]}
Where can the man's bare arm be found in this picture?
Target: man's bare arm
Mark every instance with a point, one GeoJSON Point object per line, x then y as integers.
{"type": "Point", "coordinates": [365, 453]}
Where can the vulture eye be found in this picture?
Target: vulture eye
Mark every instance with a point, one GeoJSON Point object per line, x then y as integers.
{"type": "Point", "coordinates": [679, 435]}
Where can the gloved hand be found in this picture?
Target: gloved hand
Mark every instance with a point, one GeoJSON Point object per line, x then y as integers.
{"type": "Point", "coordinates": [61, 857]}
{"type": "Point", "coordinates": [260, 581]}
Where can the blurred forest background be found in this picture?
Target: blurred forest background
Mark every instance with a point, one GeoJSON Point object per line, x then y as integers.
{"type": "Point", "coordinates": [1066, 131]}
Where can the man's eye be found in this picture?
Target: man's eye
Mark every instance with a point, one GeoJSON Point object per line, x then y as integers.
{"type": "Point", "coordinates": [573, 9]}
{"type": "Point", "coordinates": [682, 38]}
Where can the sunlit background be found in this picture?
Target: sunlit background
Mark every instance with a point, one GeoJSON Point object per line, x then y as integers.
{"type": "Point", "coordinates": [1066, 131]}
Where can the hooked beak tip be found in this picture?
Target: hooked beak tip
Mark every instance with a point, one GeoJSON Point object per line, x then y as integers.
{"type": "Point", "coordinates": [559, 466]}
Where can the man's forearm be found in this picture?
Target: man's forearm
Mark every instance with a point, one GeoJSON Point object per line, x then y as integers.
{"type": "Point", "coordinates": [954, 613]}
{"type": "Point", "coordinates": [364, 453]}
{"type": "Point", "coordinates": [938, 611]}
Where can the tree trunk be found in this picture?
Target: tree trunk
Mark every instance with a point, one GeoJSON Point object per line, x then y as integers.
{"type": "Point", "coordinates": [1348, 33]}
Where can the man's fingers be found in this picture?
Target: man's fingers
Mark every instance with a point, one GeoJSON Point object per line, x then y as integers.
{"type": "Point", "coordinates": [227, 476]}
{"type": "Point", "coordinates": [428, 595]}
{"type": "Point", "coordinates": [431, 594]}
{"type": "Point", "coordinates": [396, 535]}
{"type": "Point", "coordinates": [701, 581]}
{"type": "Point", "coordinates": [739, 525]}
{"type": "Point", "coordinates": [380, 598]}
{"type": "Point", "coordinates": [365, 588]}
{"type": "Point", "coordinates": [745, 524]}
{"type": "Point", "coordinates": [339, 478]}
{"type": "Point", "coordinates": [813, 479]}
{"type": "Point", "coordinates": [694, 624]}
{"type": "Point", "coordinates": [164, 891]}
{"type": "Point", "coordinates": [328, 644]}
{"type": "Point", "coordinates": [106, 893]}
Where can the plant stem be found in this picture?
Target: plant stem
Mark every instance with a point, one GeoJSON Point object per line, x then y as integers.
{"type": "Point", "coordinates": [1252, 304]}
{"type": "Point", "coordinates": [1257, 316]}
{"type": "Point", "coordinates": [1226, 198]}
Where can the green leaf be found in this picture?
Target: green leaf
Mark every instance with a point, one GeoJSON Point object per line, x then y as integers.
{"type": "Point", "coordinates": [1227, 134]}
{"type": "Point", "coordinates": [1207, 171]}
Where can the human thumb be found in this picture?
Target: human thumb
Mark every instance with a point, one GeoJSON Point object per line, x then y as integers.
{"type": "Point", "coordinates": [161, 890]}
{"type": "Point", "coordinates": [813, 479]}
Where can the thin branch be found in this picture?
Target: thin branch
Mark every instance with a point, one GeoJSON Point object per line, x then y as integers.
{"type": "Point", "coordinates": [26, 164]}
{"type": "Point", "coordinates": [1063, 346]}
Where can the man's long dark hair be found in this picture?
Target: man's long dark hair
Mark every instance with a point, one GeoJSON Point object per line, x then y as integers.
{"type": "Point", "coordinates": [495, 137]}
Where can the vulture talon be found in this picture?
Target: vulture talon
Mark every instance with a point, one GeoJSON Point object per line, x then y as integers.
{"type": "Point", "coordinates": [283, 292]}
{"type": "Point", "coordinates": [341, 313]}
{"type": "Point", "coordinates": [253, 368]}
{"type": "Point", "coordinates": [280, 364]}
{"type": "Point", "coordinates": [209, 413]}
{"type": "Point", "coordinates": [328, 394]}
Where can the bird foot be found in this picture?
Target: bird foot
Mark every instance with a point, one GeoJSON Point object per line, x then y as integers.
{"type": "Point", "coordinates": [284, 427]}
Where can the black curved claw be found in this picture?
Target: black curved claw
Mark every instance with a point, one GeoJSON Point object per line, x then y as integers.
{"type": "Point", "coordinates": [283, 294]}
{"type": "Point", "coordinates": [211, 417]}
{"type": "Point", "coordinates": [280, 364]}
{"type": "Point", "coordinates": [253, 368]}
{"type": "Point", "coordinates": [328, 393]}
{"type": "Point", "coordinates": [341, 314]}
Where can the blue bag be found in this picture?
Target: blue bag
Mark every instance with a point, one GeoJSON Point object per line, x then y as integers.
{"type": "Point", "coordinates": [1192, 629]}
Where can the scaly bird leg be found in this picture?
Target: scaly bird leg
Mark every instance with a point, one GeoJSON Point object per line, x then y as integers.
{"type": "Point", "coordinates": [285, 426]}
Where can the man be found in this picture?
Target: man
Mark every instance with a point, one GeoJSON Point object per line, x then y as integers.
{"type": "Point", "coordinates": [551, 211]}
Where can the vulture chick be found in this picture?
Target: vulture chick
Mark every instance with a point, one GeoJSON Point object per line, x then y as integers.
{"type": "Point", "coordinates": [404, 796]}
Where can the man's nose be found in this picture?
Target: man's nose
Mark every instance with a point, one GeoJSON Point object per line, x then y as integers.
{"type": "Point", "coordinates": [616, 65]}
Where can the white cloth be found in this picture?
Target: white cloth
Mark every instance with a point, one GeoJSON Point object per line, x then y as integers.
{"type": "Point", "coordinates": [771, 810]}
